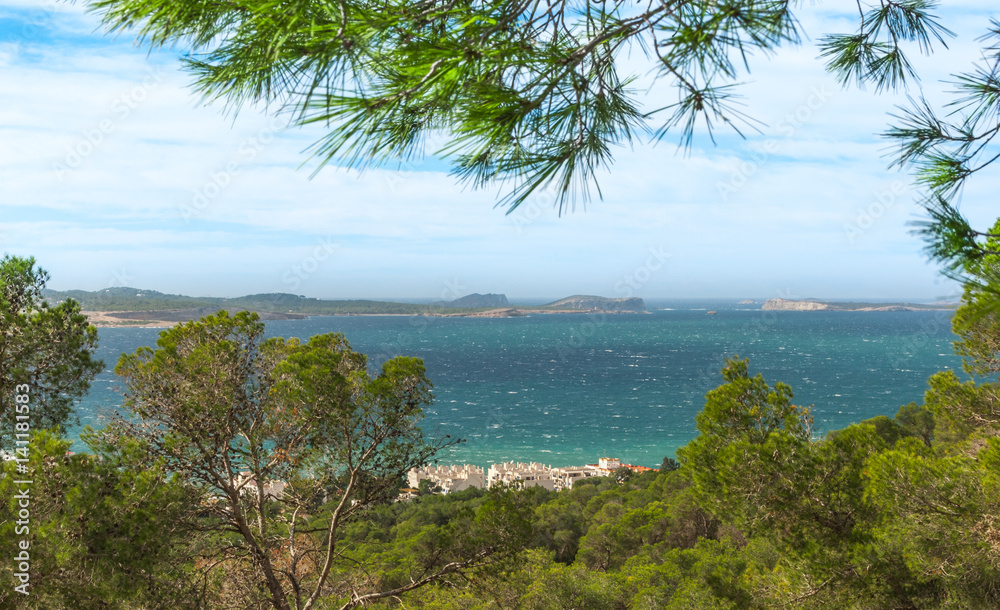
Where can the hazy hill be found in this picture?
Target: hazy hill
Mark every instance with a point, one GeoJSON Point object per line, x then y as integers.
{"type": "Point", "coordinates": [128, 299]}
{"type": "Point", "coordinates": [476, 300]}
{"type": "Point", "coordinates": [593, 302]}
{"type": "Point", "coordinates": [147, 305]}
{"type": "Point", "coordinates": [137, 300]}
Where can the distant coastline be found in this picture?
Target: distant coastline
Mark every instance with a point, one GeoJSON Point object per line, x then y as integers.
{"type": "Point", "coordinates": [154, 319]}
{"type": "Point", "coordinates": [817, 305]}
{"type": "Point", "coordinates": [134, 308]}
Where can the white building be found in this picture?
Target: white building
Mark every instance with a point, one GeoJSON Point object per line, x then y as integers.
{"type": "Point", "coordinates": [448, 478]}
{"type": "Point", "coordinates": [565, 477]}
{"type": "Point", "coordinates": [522, 474]}
{"type": "Point", "coordinates": [247, 483]}
{"type": "Point", "coordinates": [609, 464]}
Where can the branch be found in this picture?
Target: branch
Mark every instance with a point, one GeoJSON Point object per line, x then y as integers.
{"type": "Point", "coordinates": [331, 544]}
{"type": "Point", "coordinates": [451, 568]}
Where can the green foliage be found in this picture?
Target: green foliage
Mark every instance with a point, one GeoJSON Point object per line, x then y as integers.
{"type": "Point", "coordinates": [746, 408]}
{"type": "Point", "coordinates": [917, 421]}
{"type": "Point", "coordinates": [426, 487]}
{"type": "Point", "coordinates": [977, 321]}
{"type": "Point", "coordinates": [888, 429]}
{"type": "Point", "coordinates": [743, 420]}
{"type": "Point", "coordinates": [561, 587]}
{"type": "Point", "coordinates": [871, 516]}
{"type": "Point", "coordinates": [622, 474]}
{"type": "Point", "coordinates": [559, 525]}
{"type": "Point", "coordinates": [522, 92]}
{"type": "Point", "coordinates": [45, 352]}
{"type": "Point", "coordinates": [101, 531]}
{"type": "Point", "coordinates": [232, 414]}
{"type": "Point", "coordinates": [400, 543]}
{"type": "Point", "coordinates": [711, 574]}
{"type": "Point", "coordinates": [517, 93]}
{"type": "Point", "coordinates": [669, 464]}
{"type": "Point", "coordinates": [944, 150]}
{"type": "Point", "coordinates": [119, 298]}
{"type": "Point", "coordinates": [939, 514]}
{"type": "Point", "coordinates": [875, 54]}
{"type": "Point", "coordinates": [962, 408]}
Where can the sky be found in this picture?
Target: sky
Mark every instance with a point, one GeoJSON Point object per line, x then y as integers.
{"type": "Point", "coordinates": [113, 172]}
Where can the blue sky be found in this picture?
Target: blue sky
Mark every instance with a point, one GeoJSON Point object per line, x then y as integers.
{"type": "Point", "coordinates": [113, 173]}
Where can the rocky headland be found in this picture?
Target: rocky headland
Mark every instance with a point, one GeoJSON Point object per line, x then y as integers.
{"type": "Point", "coordinates": [812, 305]}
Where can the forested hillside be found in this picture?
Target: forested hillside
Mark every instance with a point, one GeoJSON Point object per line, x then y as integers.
{"type": "Point", "coordinates": [134, 299]}
{"type": "Point", "coordinates": [890, 513]}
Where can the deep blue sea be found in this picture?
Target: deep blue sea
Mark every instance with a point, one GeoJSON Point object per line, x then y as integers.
{"type": "Point", "coordinates": [566, 389]}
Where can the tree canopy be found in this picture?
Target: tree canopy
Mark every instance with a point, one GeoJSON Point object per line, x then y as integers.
{"type": "Point", "coordinates": [944, 148]}
{"type": "Point", "coordinates": [524, 92]}
{"type": "Point", "coordinates": [285, 443]}
{"type": "Point", "coordinates": [45, 351]}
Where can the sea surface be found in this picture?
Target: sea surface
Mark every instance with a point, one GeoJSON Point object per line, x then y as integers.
{"type": "Point", "coordinates": [566, 389]}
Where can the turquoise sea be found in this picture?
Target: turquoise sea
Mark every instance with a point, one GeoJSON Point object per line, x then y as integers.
{"type": "Point", "coordinates": [566, 389]}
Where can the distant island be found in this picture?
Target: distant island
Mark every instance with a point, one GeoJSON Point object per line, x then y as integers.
{"type": "Point", "coordinates": [815, 305]}
{"type": "Point", "coordinates": [135, 307]}
{"type": "Point", "coordinates": [475, 300]}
